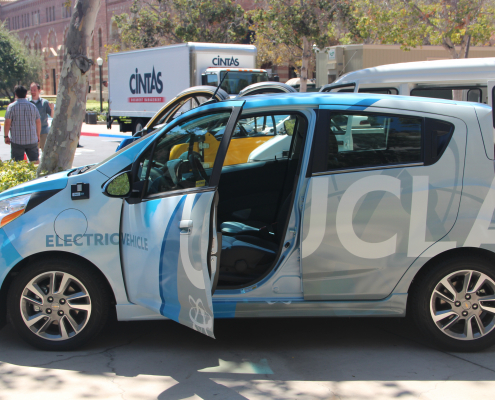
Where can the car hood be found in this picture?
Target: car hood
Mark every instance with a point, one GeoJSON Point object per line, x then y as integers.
{"type": "Point", "coordinates": [56, 181]}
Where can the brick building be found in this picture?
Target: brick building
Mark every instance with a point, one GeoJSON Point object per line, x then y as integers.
{"type": "Point", "coordinates": [43, 26]}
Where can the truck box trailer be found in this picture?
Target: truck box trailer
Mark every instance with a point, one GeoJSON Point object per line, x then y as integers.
{"type": "Point", "coordinates": [142, 81]}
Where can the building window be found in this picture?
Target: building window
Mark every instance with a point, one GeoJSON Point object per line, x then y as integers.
{"type": "Point", "coordinates": [100, 39]}
{"type": "Point", "coordinates": [66, 10]}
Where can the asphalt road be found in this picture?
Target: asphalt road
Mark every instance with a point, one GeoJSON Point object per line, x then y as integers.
{"type": "Point", "coordinates": [250, 359]}
{"type": "Point", "coordinates": [95, 148]}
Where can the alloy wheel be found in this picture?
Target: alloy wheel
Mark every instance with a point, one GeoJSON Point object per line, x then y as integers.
{"type": "Point", "coordinates": [55, 306]}
{"type": "Point", "coordinates": [462, 305]}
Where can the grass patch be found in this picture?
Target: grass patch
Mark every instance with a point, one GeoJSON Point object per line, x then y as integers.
{"type": "Point", "coordinates": [94, 106]}
{"type": "Point", "coordinates": [2, 113]}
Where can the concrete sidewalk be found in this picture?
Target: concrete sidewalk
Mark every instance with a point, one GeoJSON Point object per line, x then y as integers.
{"type": "Point", "coordinates": [276, 359]}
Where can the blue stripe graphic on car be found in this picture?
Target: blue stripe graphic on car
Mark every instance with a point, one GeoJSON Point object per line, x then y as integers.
{"type": "Point", "coordinates": [169, 260]}
{"type": "Point", "coordinates": [9, 256]}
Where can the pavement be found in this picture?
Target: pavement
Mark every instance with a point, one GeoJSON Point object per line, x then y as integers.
{"type": "Point", "coordinates": [306, 358]}
{"type": "Point", "coordinates": [98, 143]}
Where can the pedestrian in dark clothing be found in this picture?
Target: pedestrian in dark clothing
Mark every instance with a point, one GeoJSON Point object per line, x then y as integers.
{"type": "Point", "coordinates": [45, 110]}
{"type": "Point", "coordinates": [23, 121]}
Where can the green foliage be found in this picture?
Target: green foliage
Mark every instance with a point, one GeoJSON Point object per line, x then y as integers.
{"type": "Point", "coordinates": [286, 30]}
{"type": "Point", "coordinates": [18, 64]}
{"type": "Point", "coordinates": [413, 23]}
{"type": "Point", "coordinates": [159, 22]}
{"type": "Point", "coordinates": [14, 173]}
{"type": "Point", "coordinates": [94, 106]}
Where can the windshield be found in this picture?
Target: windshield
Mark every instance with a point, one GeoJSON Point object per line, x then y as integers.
{"type": "Point", "coordinates": [119, 152]}
{"type": "Point", "coordinates": [236, 81]}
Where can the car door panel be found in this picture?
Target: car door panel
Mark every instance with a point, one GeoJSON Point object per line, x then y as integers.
{"type": "Point", "coordinates": [363, 229]}
{"type": "Point", "coordinates": [177, 257]}
{"type": "Point", "coordinates": [169, 246]}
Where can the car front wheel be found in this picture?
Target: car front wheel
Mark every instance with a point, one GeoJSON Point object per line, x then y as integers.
{"type": "Point", "coordinates": [454, 304]}
{"type": "Point", "coordinates": [58, 304]}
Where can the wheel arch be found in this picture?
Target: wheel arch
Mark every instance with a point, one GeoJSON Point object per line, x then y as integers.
{"type": "Point", "coordinates": [24, 263]}
{"type": "Point", "coordinates": [406, 284]}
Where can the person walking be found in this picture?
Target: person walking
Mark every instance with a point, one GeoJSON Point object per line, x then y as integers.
{"type": "Point", "coordinates": [45, 110]}
{"type": "Point", "coordinates": [22, 120]}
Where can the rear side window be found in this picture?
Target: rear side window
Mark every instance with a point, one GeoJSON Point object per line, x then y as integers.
{"type": "Point", "coordinates": [371, 140]}
{"type": "Point", "coordinates": [438, 134]}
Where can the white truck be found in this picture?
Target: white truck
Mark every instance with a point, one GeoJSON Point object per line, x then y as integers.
{"type": "Point", "coordinates": [142, 81]}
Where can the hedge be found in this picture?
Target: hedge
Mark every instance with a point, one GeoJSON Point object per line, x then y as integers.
{"type": "Point", "coordinates": [14, 173]}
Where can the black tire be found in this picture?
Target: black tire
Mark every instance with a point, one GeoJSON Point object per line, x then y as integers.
{"type": "Point", "coordinates": [98, 297]}
{"type": "Point", "coordinates": [420, 300]}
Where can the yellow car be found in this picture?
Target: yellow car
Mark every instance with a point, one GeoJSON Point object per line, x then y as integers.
{"type": "Point", "coordinates": [246, 138]}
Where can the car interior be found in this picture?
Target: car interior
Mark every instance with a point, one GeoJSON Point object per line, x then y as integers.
{"type": "Point", "coordinates": [254, 208]}
{"type": "Point", "coordinates": [255, 196]}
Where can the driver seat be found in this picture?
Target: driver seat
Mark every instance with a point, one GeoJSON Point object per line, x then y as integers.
{"type": "Point", "coordinates": [245, 257]}
{"type": "Point", "coordinates": [256, 228]}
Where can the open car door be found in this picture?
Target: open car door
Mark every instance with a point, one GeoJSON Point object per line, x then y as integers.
{"type": "Point", "coordinates": [169, 240]}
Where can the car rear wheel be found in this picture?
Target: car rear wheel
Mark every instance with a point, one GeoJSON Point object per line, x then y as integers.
{"type": "Point", "coordinates": [454, 304]}
{"type": "Point", "coordinates": [58, 304]}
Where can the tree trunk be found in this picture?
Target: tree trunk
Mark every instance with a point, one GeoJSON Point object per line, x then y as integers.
{"type": "Point", "coordinates": [305, 62]}
{"type": "Point", "coordinates": [70, 110]}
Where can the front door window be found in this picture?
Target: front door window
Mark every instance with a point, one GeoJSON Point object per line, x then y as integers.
{"type": "Point", "coordinates": [183, 158]}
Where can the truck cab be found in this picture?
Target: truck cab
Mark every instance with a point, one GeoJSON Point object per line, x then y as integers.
{"type": "Point", "coordinates": [234, 79]}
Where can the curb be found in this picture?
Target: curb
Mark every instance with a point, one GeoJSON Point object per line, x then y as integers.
{"type": "Point", "coordinates": [105, 135]}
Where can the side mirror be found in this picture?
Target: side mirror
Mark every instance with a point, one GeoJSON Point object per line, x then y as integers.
{"type": "Point", "coordinates": [119, 186]}
{"type": "Point", "coordinates": [289, 126]}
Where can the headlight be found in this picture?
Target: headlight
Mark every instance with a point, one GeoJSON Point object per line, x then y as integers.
{"type": "Point", "coordinates": [12, 208]}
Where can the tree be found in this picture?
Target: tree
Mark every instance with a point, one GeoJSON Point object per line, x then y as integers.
{"type": "Point", "coordinates": [64, 134]}
{"type": "Point", "coordinates": [293, 27]}
{"type": "Point", "coordinates": [18, 65]}
{"type": "Point", "coordinates": [413, 23]}
{"type": "Point", "coordinates": [157, 22]}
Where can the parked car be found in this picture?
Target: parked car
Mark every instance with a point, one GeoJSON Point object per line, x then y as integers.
{"type": "Point", "coordinates": [401, 220]}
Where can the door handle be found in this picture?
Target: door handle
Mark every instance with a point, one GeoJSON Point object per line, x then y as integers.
{"type": "Point", "coordinates": [185, 226]}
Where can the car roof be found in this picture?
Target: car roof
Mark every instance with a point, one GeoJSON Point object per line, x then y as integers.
{"type": "Point", "coordinates": [361, 101]}
{"type": "Point", "coordinates": [472, 70]}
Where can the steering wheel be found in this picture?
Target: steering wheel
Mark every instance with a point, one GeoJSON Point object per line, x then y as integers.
{"type": "Point", "coordinates": [170, 175]}
{"type": "Point", "coordinates": [197, 166]}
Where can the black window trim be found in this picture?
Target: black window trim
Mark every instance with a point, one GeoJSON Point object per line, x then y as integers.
{"type": "Point", "coordinates": [320, 143]}
{"type": "Point", "coordinates": [318, 165]}
{"type": "Point", "coordinates": [449, 87]}
{"type": "Point", "coordinates": [235, 112]}
{"type": "Point", "coordinates": [328, 88]}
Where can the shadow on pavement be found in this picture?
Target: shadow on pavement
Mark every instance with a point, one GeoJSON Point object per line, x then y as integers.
{"type": "Point", "coordinates": [257, 357]}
